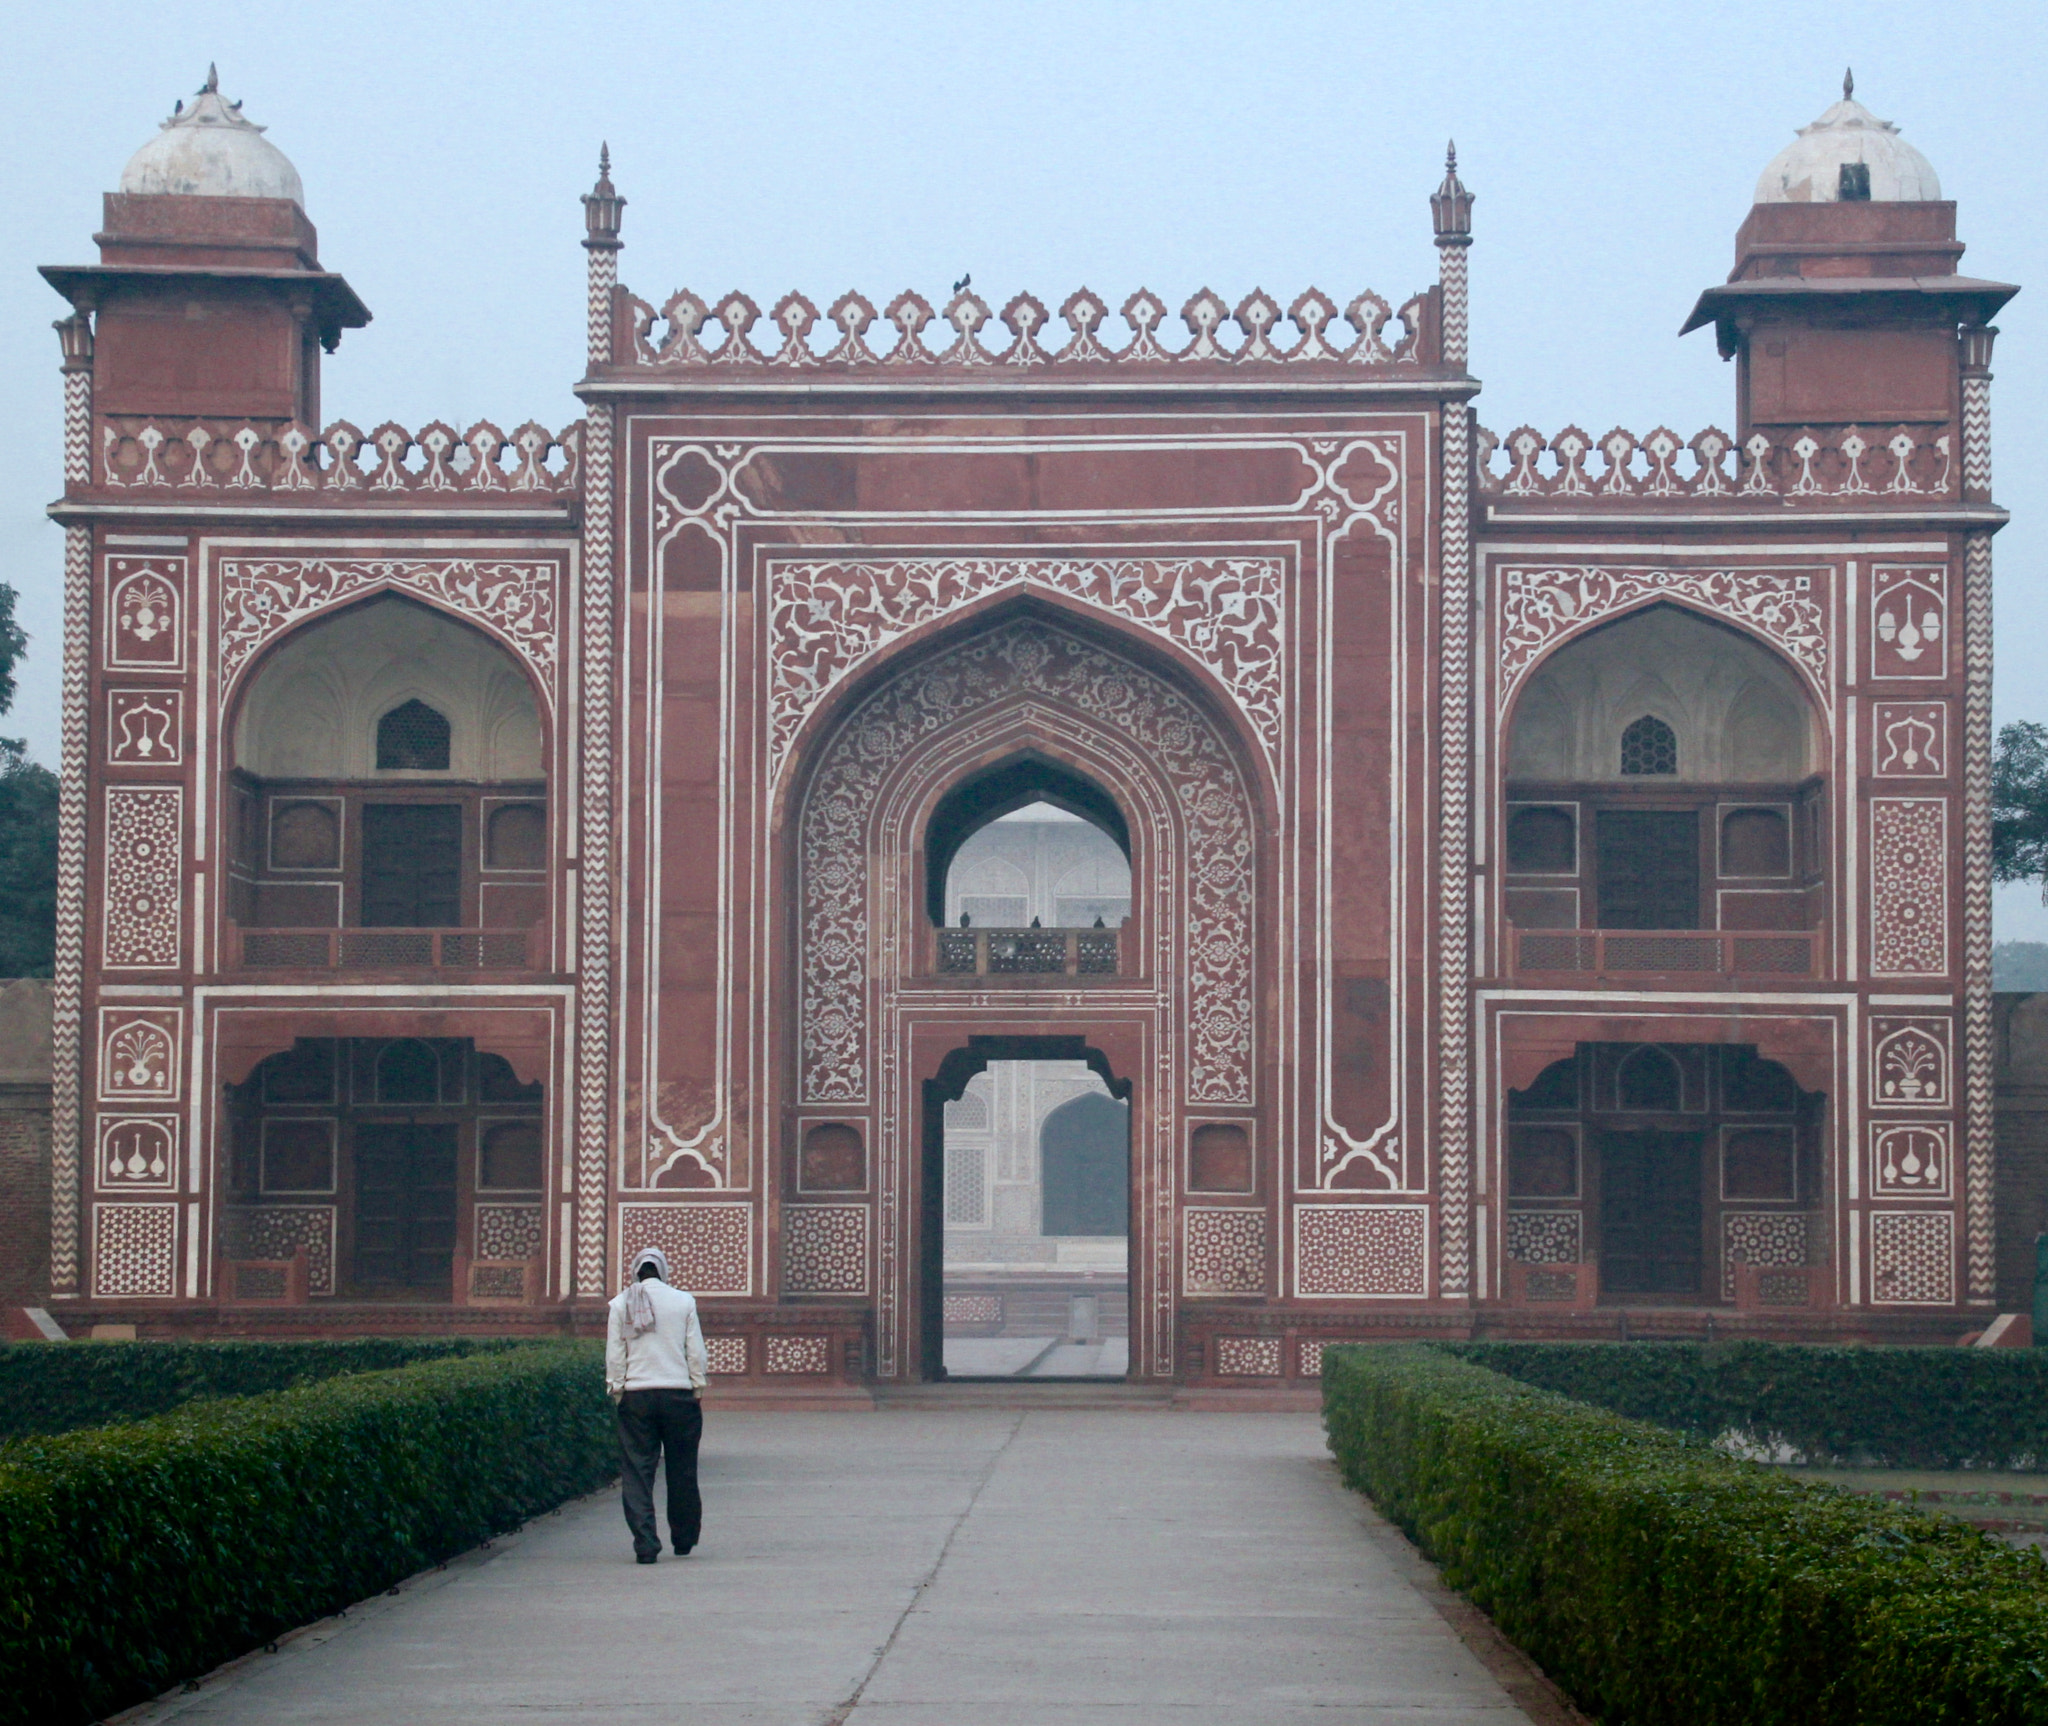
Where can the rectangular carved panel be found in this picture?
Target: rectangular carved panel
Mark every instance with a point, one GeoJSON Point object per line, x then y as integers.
{"type": "Point", "coordinates": [1908, 886]}
{"type": "Point", "coordinates": [141, 908]}
{"type": "Point", "coordinates": [709, 1246]}
{"type": "Point", "coordinates": [1362, 1252]}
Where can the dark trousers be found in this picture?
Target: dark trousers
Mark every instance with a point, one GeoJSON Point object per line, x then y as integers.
{"type": "Point", "coordinates": [651, 1422]}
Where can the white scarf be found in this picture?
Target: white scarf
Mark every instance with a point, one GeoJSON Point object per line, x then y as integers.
{"type": "Point", "coordinates": [640, 1304]}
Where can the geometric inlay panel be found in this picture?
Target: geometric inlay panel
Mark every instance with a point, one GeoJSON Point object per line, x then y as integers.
{"type": "Point", "coordinates": [825, 1249]}
{"type": "Point", "coordinates": [134, 1249]}
{"type": "Point", "coordinates": [140, 912]}
{"type": "Point", "coordinates": [1248, 1356]}
{"type": "Point", "coordinates": [727, 1356]}
{"type": "Point", "coordinates": [1373, 1252]}
{"type": "Point", "coordinates": [507, 1232]}
{"type": "Point", "coordinates": [1908, 886]}
{"type": "Point", "coordinates": [1308, 1358]}
{"type": "Point", "coordinates": [1543, 1237]}
{"type": "Point", "coordinates": [807, 1354]}
{"type": "Point", "coordinates": [1912, 1258]}
{"type": "Point", "coordinates": [272, 1232]}
{"type": "Point", "coordinates": [1224, 1251]}
{"type": "Point", "coordinates": [1760, 1238]}
{"type": "Point", "coordinates": [709, 1247]}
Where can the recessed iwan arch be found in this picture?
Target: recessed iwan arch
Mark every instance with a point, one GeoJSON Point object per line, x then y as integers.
{"type": "Point", "coordinates": [1739, 713]}
{"type": "Point", "coordinates": [315, 706]}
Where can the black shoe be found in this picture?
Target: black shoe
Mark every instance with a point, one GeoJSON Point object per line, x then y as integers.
{"type": "Point", "coordinates": [685, 1551]}
{"type": "Point", "coordinates": [645, 1557]}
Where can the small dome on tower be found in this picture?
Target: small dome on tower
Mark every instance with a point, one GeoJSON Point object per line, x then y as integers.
{"type": "Point", "coordinates": [1848, 155]}
{"type": "Point", "coordinates": [207, 150]}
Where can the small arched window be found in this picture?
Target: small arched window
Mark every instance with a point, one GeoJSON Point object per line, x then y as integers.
{"type": "Point", "coordinates": [1649, 1080]}
{"type": "Point", "coordinates": [412, 735]}
{"type": "Point", "coordinates": [1649, 746]}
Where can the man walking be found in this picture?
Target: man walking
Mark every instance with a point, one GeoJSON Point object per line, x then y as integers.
{"type": "Point", "coordinates": [654, 1365]}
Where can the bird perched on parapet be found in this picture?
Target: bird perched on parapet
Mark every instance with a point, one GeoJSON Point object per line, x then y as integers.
{"type": "Point", "coordinates": [960, 287]}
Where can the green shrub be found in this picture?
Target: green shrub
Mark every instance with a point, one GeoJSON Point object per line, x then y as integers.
{"type": "Point", "coordinates": [1660, 1581]}
{"type": "Point", "coordinates": [50, 1388]}
{"type": "Point", "coordinates": [134, 1556]}
{"type": "Point", "coordinates": [1906, 1407]}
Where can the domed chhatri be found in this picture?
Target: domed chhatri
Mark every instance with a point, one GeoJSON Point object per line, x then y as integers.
{"type": "Point", "coordinates": [208, 150]}
{"type": "Point", "coordinates": [1848, 155]}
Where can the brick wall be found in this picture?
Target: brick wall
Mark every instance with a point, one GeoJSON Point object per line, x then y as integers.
{"type": "Point", "coordinates": [2022, 1030]}
{"type": "Point", "coordinates": [24, 1141]}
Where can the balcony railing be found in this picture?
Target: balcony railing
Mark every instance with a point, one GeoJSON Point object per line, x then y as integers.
{"type": "Point", "coordinates": [1028, 952]}
{"type": "Point", "coordinates": [1667, 952]}
{"type": "Point", "coordinates": [383, 949]}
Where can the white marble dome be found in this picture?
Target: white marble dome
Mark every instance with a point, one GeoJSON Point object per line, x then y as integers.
{"type": "Point", "coordinates": [207, 150]}
{"type": "Point", "coordinates": [1809, 169]}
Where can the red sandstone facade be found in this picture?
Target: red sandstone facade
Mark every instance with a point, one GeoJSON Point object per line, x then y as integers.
{"type": "Point", "coordinates": [788, 608]}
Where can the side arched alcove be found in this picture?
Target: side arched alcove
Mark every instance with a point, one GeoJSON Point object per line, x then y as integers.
{"type": "Point", "coordinates": [1665, 771]}
{"type": "Point", "coordinates": [388, 770]}
{"type": "Point", "coordinates": [1031, 710]}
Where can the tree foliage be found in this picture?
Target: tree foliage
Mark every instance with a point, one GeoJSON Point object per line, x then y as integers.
{"type": "Point", "coordinates": [28, 831]}
{"type": "Point", "coordinates": [2019, 803]}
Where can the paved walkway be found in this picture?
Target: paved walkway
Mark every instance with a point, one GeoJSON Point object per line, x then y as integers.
{"type": "Point", "coordinates": [919, 1567]}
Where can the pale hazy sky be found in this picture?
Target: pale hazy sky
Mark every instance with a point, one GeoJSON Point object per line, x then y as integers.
{"type": "Point", "coordinates": [1281, 145]}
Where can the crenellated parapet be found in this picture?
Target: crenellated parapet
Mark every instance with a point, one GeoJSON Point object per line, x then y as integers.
{"type": "Point", "coordinates": [1801, 465]}
{"type": "Point", "coordinates": [185, 455]}
{"type": "Point", "coordinates": [687, 331]}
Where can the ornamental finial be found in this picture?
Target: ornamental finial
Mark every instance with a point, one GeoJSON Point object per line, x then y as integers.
{"type": "Point", "coordinates": [602, 205]}
{"type": "Point", "coordinates": [1450, 205]}
{"type": "Point", "coordinates": [1848, 83]}
{"type": "Point", "coordinates": [212, 85]}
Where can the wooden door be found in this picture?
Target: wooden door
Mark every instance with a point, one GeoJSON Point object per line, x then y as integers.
{"type": "Point", "coordinates": [1650, 1215]}
{"type": "Point", "coordinates": [405, 1208]}
{"type": "Point", "coordinates": [1649, 868]}
{"type": "Point", "coordinates": [412, 865]}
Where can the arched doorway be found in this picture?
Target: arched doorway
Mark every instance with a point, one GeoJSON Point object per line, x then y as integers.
{"type": "Point", "coordinates": [1026, 1194]}
{"type": "Point", "coordinates": [1155, 964]}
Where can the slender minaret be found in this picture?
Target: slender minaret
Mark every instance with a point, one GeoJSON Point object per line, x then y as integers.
{"type": "Point", "coordinates": [602, 208]}
{"type": "Point", "coordinates": [1980, 1125]}
{"type": "Point", "coordinates": [68, 969]}
{"type": "Point", "coordinates": [1450, 209]}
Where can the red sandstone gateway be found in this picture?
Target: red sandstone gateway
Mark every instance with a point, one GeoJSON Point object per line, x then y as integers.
{"type": "Point", "coordinates": [1540, 881]}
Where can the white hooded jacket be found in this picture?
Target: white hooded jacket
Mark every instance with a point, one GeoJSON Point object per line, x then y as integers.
{"type": "Point", "coordinates": [669, 1357]}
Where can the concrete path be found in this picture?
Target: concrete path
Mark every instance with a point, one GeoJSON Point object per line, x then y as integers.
{"type": "Point", "coordinates": [920, 1567]}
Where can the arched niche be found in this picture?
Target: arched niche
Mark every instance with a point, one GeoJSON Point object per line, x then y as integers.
{"type": "Point", "coordinates": [315, 707]}
{"type": "Point", "coordinates": [1737, 711]}
{"type": "Point", "coordinates": [1663, 772]}
{"type": "Point", "coordinates": [388, 770]}
{"type": "Point", "coordinates": [1024, 823]}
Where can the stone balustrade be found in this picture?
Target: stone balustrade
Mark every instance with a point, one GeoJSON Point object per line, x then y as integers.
{"type": "Point", "coordinates": [688, 331]}
{"type": "Point", "coordinates": [279, 457]}
{"type": "Point", "coordinates": [1857, 463]}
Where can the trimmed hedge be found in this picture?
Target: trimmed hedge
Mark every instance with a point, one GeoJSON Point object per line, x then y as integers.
{"type": "Point", "coordinates": [1660, 1581]}
{"type": "Point", "coordinates": [134, 1556]}
{"type": "Point", "coordinates": [1906, 1407]}
{"type": "Point", "coordinates": [60, 1387]}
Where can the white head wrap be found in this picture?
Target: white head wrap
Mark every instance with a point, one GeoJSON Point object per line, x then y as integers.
{"type": "Point", "coordinates": [639, 1304]}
